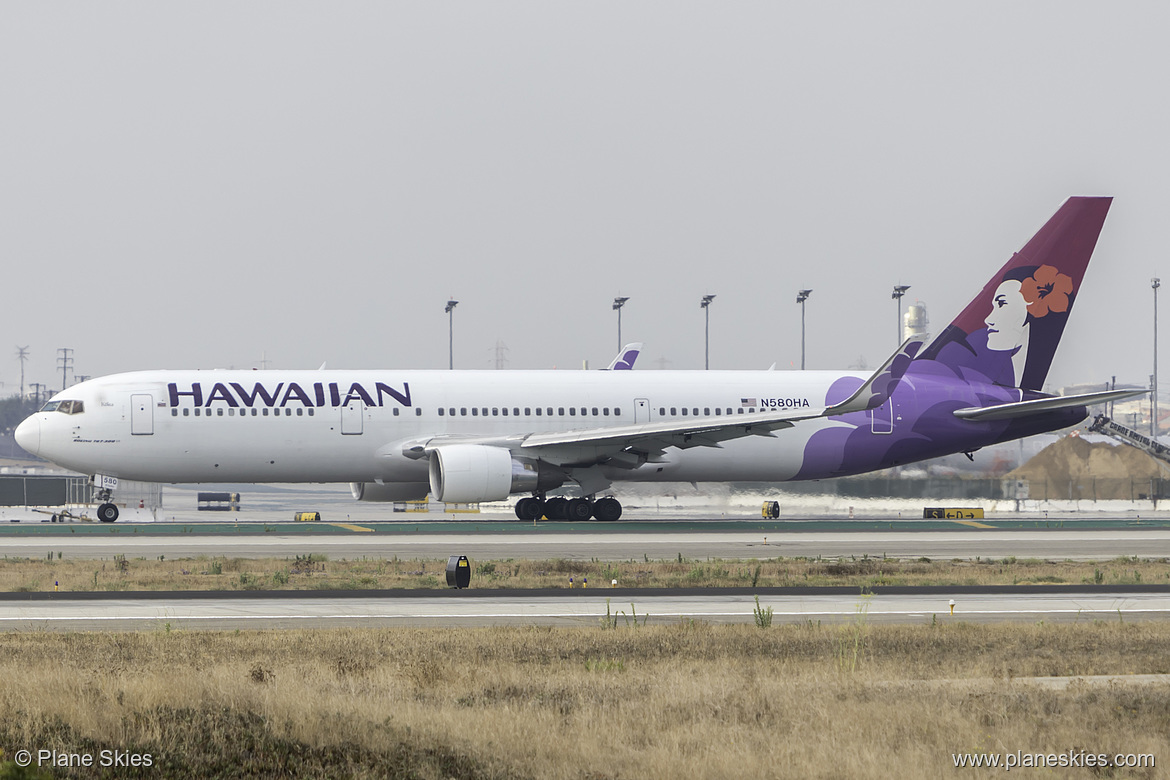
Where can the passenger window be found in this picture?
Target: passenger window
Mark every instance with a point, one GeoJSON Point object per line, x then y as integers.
{"type": "Point", "coordinates": [538, 411]}
{"type": "Point", "coordinates": [739, 411]}
{"type": "Point", "coordinates": [254, 412]}
{"type": "Point", "coordinates": [310, 412]}
{"type": "Point", "coordinates": [561, 411]}
{"type": "Point", "coordinates": [706, 411]}
{"type": "Point", "coordinates": [696, 411]}
{"type": "Point", "coordinates": [504, 410]}
{"type": "Point", "coordinates": [231, 412]}
{"type": "Point", "coordinates": [451, 411]}
{"type": "Point", "coordinates": [572, 411]}
{"type": "Point", "coordinates": [528, 411]}
{"type": "Point", "coordinates": [495, 412]}
{"type": "Point", "coordinates": [463, 411]}
{"type": "Point", "coordinates": [300, 412]}
{"type": "Point", "coordinates": [441, 412]}
{"type": "Point", "coordinates": [186, 412]}
{"type": "Point", "coordinates": [219, 412]}
{"type": "Point", "coordinates": [605, 411]}
{"type": "Point", "coordinates": [174, 412]}
{"type": "Point", "coordinates": [662, 411]}
{"type": "Point", "coordinates": [684, 411]}
{"type": "Point", "coordinates": [718, 411]}
{"type": "Point", "coordinates": [197, 410]}
{"type": "Point", "coordinates": [595, 411]}
{"type": "Point", "coordinates": [418, 412]}
{"type": "Point", "coordinates": [474, 412]}
{"type": "Point", "coordinates": [673, 411]}
{"type": "Point", "coordinates": [515, 411]}
{"type": "Point", "coordinates": [549, 412]}
{"type": "Point", "coordinates": [485, 411]}
{"type": "Point", "coordinates": [729, 410]}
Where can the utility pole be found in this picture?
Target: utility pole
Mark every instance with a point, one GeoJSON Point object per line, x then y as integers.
{"type": "Point", "coordinates": [22, 356]}
{"type": "Point", "coordinates": [705, 305]}
{"type": "Point", "coordinates": [618, 303]}
{"type": "Point", "coordinates": [451, 333]}
{"type": "Point", "coordinates": [899, 291]}
{"type": "Point", "coordinates": [1155, 283]}
{"type": "Point", "coordinates": [801, 297]}
{"type": "Point", "coordinates": [36, 386]}
{"type": "Point", "coordinates": [65, 360]}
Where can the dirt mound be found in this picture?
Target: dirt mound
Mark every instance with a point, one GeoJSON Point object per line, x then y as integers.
{"type": "Point", "coordinates": [1102, 468]}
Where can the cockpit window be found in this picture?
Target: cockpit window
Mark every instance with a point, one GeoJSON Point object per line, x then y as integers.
{"type": "Point", "coordinates": [65, 407]}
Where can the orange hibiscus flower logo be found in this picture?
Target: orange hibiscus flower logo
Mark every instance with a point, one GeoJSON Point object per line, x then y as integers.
{"type": "Point", "coordinates": [1047, 290]}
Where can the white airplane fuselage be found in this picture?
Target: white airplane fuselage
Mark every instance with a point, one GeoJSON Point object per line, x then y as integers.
{"type": "Point", "coordinates": [348, 426]}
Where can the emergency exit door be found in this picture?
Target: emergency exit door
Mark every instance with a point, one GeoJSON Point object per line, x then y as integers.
{"type": "Point", "coordinates": [141, 414]}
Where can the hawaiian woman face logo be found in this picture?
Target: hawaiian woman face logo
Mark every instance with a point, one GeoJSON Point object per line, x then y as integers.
{"type": "Point", "coordinates": [1008, 321]}
{"type": "Point", "coordinates": [1018, 304]}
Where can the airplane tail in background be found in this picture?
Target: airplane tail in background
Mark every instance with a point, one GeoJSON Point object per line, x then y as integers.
{"type": "Point", "coordinates": [625, 359]}
{"type": "Point", "coordinates": [1008, 334]}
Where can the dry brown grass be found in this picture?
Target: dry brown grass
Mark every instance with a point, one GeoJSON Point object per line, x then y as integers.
{"type": "Point", "coordinates": [688, 700]}
{"type": "Point", "coordinates": [320, 573]}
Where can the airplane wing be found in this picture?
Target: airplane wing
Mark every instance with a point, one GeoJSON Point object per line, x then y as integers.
{"type": "Point", "coordinates": [634, 444]}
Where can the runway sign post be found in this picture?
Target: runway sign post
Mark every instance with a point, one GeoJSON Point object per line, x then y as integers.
{"type": "Point", "coordinates": [952, 513]}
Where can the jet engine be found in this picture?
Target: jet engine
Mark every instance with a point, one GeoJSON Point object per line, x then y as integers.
{"type": "Point", "coordinates": [389, 491]}
{"type": "Point", "coordinates": [469, 473]}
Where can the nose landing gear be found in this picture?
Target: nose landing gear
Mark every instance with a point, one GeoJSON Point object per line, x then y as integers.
{"type": "Point", "coordinates": [103, 491]}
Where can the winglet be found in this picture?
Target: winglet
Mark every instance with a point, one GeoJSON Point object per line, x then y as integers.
{"type": "Point", "coordinates": [625, 359]}
{"type": "Point", "coordinates": [879, 387]}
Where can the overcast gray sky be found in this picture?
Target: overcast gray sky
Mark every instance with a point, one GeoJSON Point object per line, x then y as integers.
{"type": "Point", "coordinates": [204, 184]}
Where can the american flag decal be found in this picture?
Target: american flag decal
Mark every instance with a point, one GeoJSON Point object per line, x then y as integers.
{"type": "Point", "coordinates": [747, 402]}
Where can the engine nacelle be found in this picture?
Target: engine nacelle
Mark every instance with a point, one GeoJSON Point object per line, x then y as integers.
{"type": "Point", "coordinates": [389, 491]}
{"type": "Point", "coordinates": [469, 473]}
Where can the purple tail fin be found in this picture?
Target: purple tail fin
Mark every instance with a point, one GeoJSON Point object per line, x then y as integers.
{"type": "Point", "coordinates": [1009, 332]}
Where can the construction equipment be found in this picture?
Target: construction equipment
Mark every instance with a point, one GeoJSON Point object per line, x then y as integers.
{"type": "Point", "coordinates": [1103, 424]}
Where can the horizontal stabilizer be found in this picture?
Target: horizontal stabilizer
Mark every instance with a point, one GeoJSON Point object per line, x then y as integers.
{"type": "Point", "coordinates": [1038, 405]}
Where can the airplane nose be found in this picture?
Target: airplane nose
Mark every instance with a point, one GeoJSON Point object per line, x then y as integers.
{"type": "Point", "coordinates": [28, 435]}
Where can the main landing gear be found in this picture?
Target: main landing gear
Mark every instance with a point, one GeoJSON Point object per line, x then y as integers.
{"type": "Point", "coordinates": [576, 509]}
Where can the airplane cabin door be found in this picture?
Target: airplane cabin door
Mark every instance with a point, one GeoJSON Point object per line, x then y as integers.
{"type": "Point", "coordinates": [141, 414]}
{"type": "Point", "coordinates": [641, 410]}
{"type": "Point", "coordinates": [351, 417]}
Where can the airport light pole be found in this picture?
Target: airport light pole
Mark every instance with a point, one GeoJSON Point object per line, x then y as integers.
{"type": "Point", "coordinates": [899, 291]}
{"type": "Point", "coordinates": [801, 297]}
{"type": "Point", "coordinates": [618, 303]}
{"type": "Point", "coordinates": [705, 305]}
{"type": "Point", "coordinates": [1155, 283]}
{"type": "Point", "coordinates": [451, 333]}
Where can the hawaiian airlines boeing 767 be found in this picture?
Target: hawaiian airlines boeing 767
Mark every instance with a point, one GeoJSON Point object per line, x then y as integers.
{"type": "Point", "coordinates": [467, 436]}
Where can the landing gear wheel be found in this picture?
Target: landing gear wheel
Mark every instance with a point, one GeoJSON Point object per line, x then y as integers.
{"type": "Point", "coordinates": [107, 513]}
{"type": "Point", "coordinates": [580, 509]}
{"type": "Point", "coordinates": [607, 509]}
{"type": "Point", "coordinates": [556, 508]}
{"type": "Point", "coordinates": [529, 509]}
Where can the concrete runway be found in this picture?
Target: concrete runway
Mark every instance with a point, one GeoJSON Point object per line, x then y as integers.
{"type": "Point", "coordinates": [599, 542]}
{"type": "Point", "coordinates": [195, 611]}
